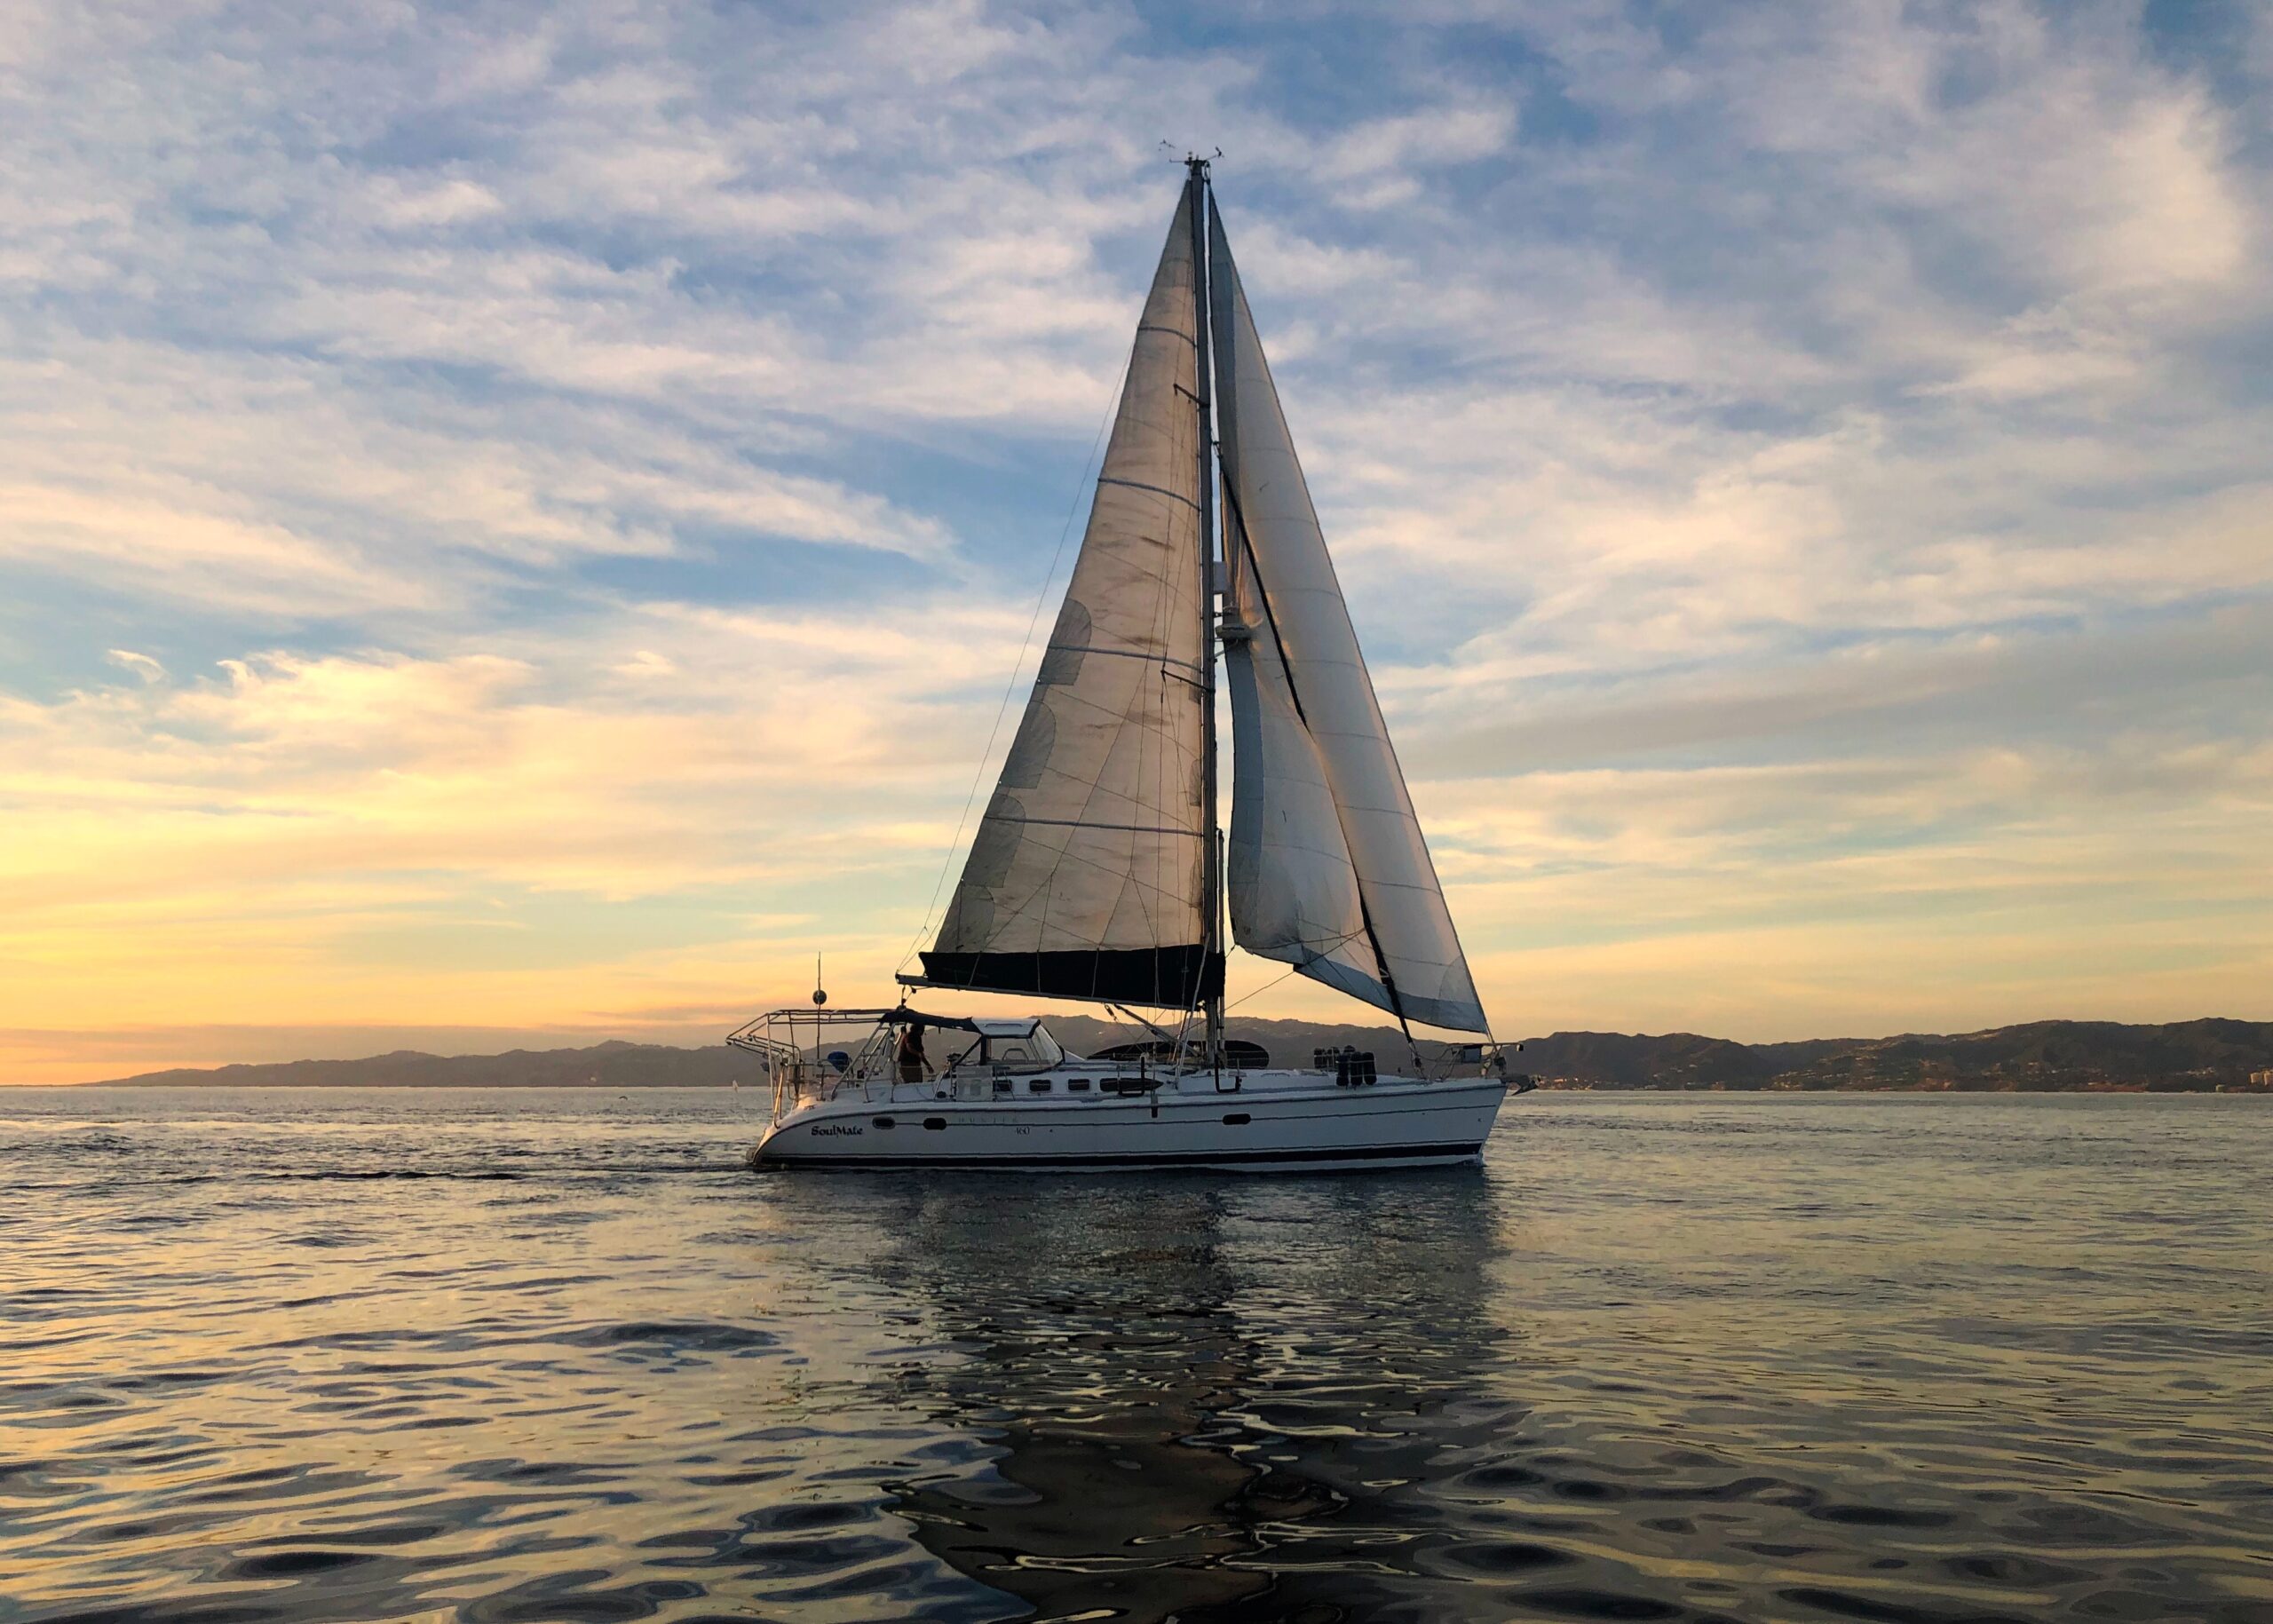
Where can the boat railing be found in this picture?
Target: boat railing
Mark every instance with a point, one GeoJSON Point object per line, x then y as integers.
{"type": "Point", "coordinates": [796, 1055]}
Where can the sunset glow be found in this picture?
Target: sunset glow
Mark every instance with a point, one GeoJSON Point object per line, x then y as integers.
{"type": "Point", "coordinates": [521, 534]}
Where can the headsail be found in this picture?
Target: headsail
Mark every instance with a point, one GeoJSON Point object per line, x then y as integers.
{"type": "Point", "coordinates": [1329, 869]}
{"type": "Point", "coordinates": [1086, 877]}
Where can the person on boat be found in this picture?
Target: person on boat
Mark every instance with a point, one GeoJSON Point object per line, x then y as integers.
{"type": "Point", "coordinates": [909, 1054]}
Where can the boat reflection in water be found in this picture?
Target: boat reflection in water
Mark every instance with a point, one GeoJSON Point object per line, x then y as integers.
{"type": "Point", "coordinates": [1182, 1437]}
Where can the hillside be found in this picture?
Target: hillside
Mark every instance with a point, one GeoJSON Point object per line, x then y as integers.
{"type": "Point", "coordinates": [2052, 1055]}
{"type": "Point", "coordinates": [612, 1064]}
{"type": "Point", "coordinates": [2195, 1056]}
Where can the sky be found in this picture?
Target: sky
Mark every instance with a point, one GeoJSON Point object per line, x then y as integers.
{"type": "Point", "coordinates": [517, 522]}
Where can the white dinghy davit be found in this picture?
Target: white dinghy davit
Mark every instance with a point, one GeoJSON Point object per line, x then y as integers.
{"type": "Point", "coordinates": [1098, 872]}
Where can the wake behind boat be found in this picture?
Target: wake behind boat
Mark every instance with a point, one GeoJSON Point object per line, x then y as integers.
{"type": "Point", "coordinates": [1099, 871]}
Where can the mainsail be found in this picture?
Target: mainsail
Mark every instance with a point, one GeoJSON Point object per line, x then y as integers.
{"type": "Point", "coordinates": [1088, 875]}
{"type": "Point", "coordinates": [1328, 870]}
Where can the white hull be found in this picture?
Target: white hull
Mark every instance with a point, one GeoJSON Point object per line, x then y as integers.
{"type": "Point", "coordinates": [1274, 1121]}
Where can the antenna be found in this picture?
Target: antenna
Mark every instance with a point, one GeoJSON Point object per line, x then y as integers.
{"type": "Point", "coordinates": [820, 997]}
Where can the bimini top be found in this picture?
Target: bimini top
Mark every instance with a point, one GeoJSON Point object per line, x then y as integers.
{"type": "Point", "coordinates": [983, 1026]}
{"type": "Point", "coordinates": [1000, 1026]}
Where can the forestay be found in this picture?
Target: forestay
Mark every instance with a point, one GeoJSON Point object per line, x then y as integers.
{"type": "Point", "coordinates": [1085, 878]}
{"type": "Point", "coordinates": [1328, 870]}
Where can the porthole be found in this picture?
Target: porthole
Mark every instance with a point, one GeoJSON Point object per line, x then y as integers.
{"type": "Point", "coordinates": [1077, 1085]}
{"type": "Point", "coordinates": [935, 1121]}
{"type": "Point", "coordinates": [1040, 1085]}
{"type": "Point", "coordinates": [1236, 1119]}
{"type": "Point", "coordinates": [883, 1121]}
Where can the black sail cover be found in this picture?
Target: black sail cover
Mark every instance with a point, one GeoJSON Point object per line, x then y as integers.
{"type": "Point", "coordinates": [1085, 878]}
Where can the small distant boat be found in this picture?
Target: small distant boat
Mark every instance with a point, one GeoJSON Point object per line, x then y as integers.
{"type": "Point", "coordinates": [1099, 871]}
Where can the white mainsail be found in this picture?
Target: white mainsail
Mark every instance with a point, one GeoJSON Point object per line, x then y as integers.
{"type": "Point", "coordinates": [1328, 870]}
{"type": "Point", "coordinates": [1086, 877]}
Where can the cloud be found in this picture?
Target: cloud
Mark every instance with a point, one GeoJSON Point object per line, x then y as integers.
{"type": "Point", "coordinates": [567, 485]}
{"type": "Point", "coordinates": [1379, 163]}
{"type": "Point", "coordinates": [141, 665]}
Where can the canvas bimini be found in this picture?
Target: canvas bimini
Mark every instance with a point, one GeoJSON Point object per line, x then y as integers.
{"type": "Point", "coordinates": [1097, 872]}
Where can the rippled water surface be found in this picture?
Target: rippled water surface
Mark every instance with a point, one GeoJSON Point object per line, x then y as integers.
{"type": "Point", "coordinates": [321, 1355]}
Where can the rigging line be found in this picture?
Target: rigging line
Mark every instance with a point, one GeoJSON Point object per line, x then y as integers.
{"type": "Point", "coordinates": [1259, 991]}
{"type": "Point", "coordinates": [978, 774]}
{"type": "Point", "coordinates": [1341, 941]}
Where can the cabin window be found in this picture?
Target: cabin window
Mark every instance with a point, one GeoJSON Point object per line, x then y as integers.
{"type": "Point", "coordinates": [1077, 1085]}
{"type": "Point", "coordinates": [935, 1122]}
{"type": "Point", "coordinates": [1002, 1085]}
{"type": "Point", "coordinates": [1040, 1085]}
{"type": "Point", "coordinates": [1236, 1119]}
{"type": "Point", "coordinates": [883, 1121]}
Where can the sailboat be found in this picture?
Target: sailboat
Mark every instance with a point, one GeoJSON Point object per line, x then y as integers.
{"type": "Point", "coordinates": [1099, 871]}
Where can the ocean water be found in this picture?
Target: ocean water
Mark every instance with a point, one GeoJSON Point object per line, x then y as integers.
{"type": "Point", "coordinates": [534, 1355]}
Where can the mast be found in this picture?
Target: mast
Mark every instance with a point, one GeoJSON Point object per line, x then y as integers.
{"type": "Point", "coordinates": [1211, 887]}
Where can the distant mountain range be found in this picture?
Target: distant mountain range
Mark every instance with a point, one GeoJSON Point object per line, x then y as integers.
{"type": "Point", "coordinates": [2181, 1057]}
